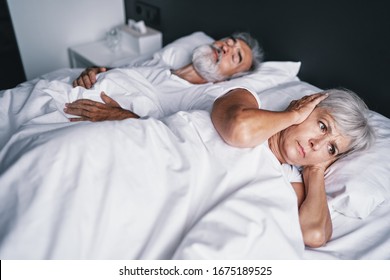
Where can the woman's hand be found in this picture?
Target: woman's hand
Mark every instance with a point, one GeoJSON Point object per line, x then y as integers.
{"type": "Point", "coordinates": [304, 106]}
{"type": "Point", "coordinates": [320, 167]}
{"type": "Point", "coordinates": [87, 78]}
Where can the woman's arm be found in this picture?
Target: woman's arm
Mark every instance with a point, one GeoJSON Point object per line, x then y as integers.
{"type": "Point", "coordinates": [314, 216]}
{"type": "Point", "coordinates": [239, 121]}
{"type": "Point", "coordinates": [299, 189]}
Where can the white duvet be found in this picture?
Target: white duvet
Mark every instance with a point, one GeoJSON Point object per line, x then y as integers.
{"type": "Point", "coordinates": [134, 189]}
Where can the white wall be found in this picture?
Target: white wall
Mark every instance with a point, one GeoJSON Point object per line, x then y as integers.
{"type": "Point", "coordinates": [45, 29]}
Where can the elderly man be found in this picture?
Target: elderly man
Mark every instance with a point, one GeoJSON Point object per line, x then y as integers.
{"type": "Point", "coordinates": [224, 59]}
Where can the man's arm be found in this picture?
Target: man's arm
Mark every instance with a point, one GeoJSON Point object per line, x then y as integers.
{"type": "Point", "coordinates": [89, 110]}
{"type": "Point", "coordinates": [87, 78]}
{"type": "Point", "coordinates": [239, 121]}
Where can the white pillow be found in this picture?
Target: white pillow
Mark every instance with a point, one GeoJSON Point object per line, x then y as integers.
{"type": "Point", "coordinates": [179, 53]}
{"type": "Point", "coordinates": [270, 74]}
{"type": "Point", "coordinates": [358, 183]}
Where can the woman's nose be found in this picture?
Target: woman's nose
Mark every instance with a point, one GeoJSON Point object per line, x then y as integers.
{"type": "Point", "coordinates": [317, 143]}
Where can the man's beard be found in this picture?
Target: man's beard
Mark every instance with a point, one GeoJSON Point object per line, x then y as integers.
{"type": "Point", "coordinates": [204, 64]}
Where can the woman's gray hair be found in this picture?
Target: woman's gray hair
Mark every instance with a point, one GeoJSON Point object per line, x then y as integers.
{"type": "Point", "coordinates": [257, 52]}
{"type": "Point", "coordinates": [351, 116]}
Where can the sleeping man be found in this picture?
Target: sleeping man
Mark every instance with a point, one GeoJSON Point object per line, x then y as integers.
{"type": "Point", "coordinates": [185, 88]}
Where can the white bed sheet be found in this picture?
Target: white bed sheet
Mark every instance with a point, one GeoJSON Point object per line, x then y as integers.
{"type": "Point", "coordinates": [55, 205]}
{"type": "Point", "coordinates": [356, 239]}
{"type": "Point", "coordinates": [134, 189]}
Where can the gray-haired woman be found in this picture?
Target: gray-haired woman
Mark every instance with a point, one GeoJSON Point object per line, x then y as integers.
{"type": "Point", "coordinates": [311, 133]}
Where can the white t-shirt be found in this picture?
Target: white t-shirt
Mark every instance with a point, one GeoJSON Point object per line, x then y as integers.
{"type": "Point", "coordinates": [292, 173]}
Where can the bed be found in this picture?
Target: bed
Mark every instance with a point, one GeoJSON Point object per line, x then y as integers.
{"type": "Point", "coordinates": [170, 188]}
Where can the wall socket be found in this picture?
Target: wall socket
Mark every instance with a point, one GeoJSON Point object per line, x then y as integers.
{"type": "Point", "coordinates": [148, 13]}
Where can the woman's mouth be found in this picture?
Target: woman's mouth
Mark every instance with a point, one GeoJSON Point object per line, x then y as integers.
{"type": "Point", "coordinates": [301, 150]}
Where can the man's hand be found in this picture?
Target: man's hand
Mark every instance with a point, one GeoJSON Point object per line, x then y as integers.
{"type": "Point", "coordinates": [87, 78]}
{"type": "Point", "coordinates": [89, 110]}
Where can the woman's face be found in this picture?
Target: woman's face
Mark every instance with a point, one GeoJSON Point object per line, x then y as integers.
{"type": "Point", "coordinates": [313, 141]}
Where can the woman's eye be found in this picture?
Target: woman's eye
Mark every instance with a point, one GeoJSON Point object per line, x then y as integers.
{"type": "Point", "coordinates": [331, 149]}
{"type": "Point", "coordinates": [323, 127]}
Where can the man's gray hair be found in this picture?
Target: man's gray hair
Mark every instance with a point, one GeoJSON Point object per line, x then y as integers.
{"type": "Point", "coordinates": [257, 52]}
{"type": "Point", "coordinates": [351, 116]}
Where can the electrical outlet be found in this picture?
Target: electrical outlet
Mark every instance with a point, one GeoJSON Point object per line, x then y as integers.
{"type": "Point", "coordinates": [148, 13]}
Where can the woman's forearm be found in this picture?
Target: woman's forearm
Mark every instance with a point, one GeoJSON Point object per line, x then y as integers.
{"type": "Point", "coordinates": [314, 216]}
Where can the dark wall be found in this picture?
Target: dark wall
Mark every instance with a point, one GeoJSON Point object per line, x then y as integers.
{"type": "Point", "coordinates": [340, 42]}
{"type": "Point", "coordinates": [11, 69]}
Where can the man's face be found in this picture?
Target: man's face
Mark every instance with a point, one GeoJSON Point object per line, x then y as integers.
{"type": "Point", "coordinates": [222, 59]}
{"type": "Point", "coordinates": [313, 141]}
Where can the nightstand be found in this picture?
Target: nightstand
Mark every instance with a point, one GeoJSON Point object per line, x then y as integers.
{"type": "Point", "coordinates": [99, 54]}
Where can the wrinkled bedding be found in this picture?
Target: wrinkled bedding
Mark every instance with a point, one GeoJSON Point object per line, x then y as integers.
{"type": "Point", "coordinates": [134, 189]}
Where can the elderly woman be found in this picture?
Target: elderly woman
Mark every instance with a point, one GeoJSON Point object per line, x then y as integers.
{"type": "Point", "coordinates": [311, 133]}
